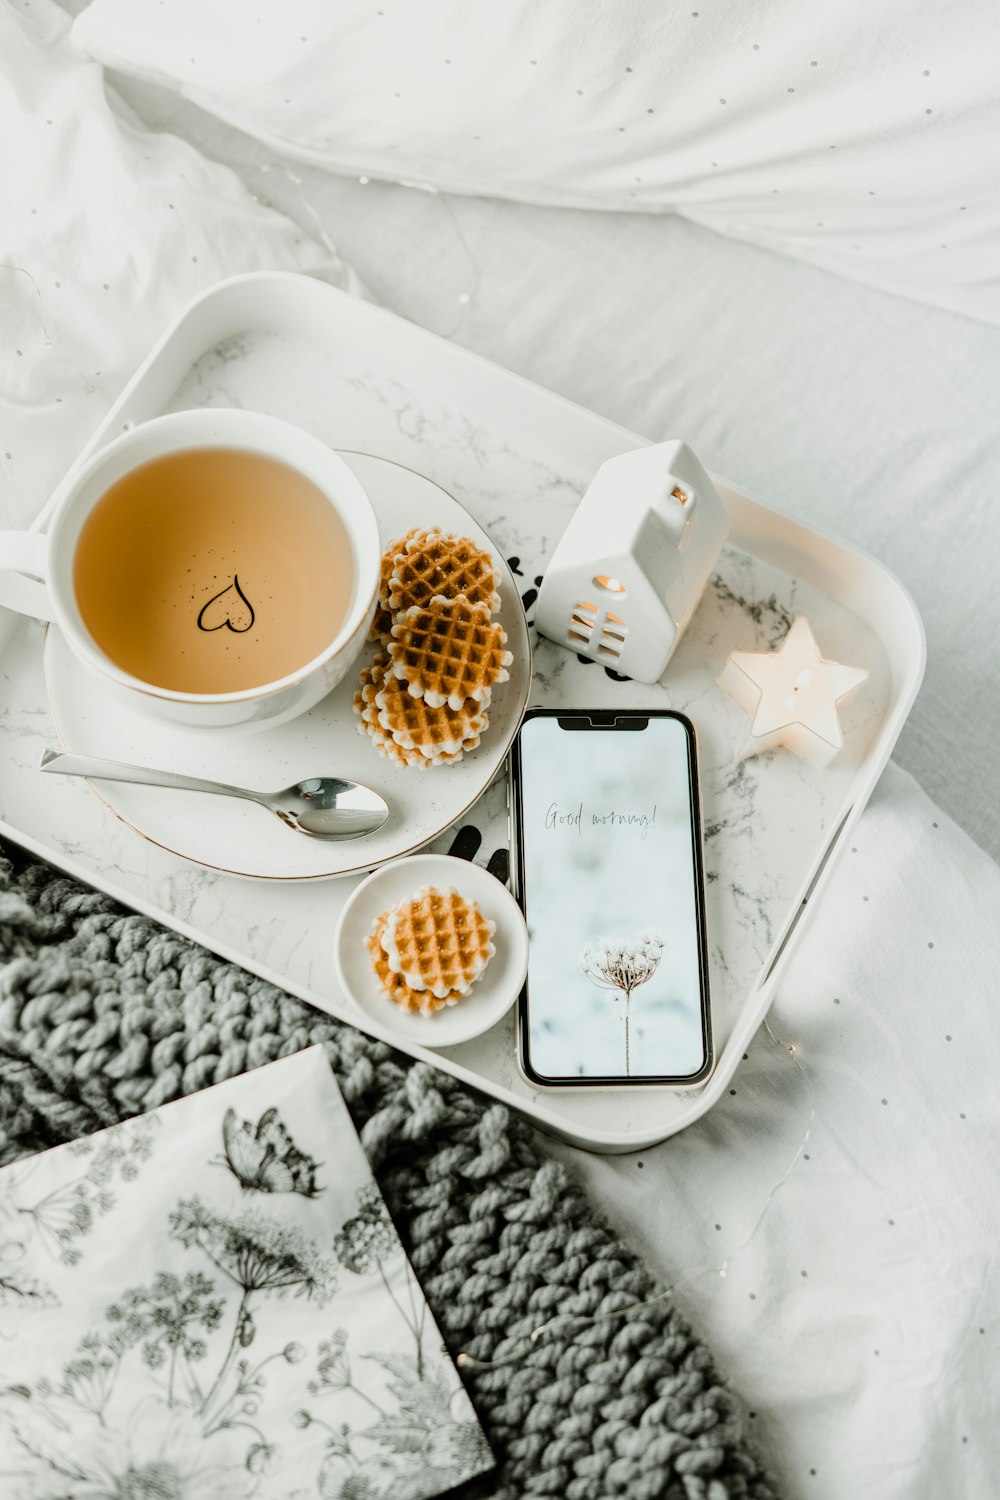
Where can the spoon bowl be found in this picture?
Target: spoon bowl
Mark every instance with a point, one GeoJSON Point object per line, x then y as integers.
{"type": "Point", "coordinates": [327, 808]}
{"type": "Point", "coordinates": [321, 807]}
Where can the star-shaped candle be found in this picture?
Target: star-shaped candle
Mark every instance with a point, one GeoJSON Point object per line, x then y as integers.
{"type": "Point", "coordinates": [792, 696]}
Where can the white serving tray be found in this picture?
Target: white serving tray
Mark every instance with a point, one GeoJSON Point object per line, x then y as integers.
{"type": "Point", "coordinates": [519, 458]}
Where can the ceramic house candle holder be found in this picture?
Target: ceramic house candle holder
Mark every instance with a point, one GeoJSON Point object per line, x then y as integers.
{"type": "Point", "coordinates": [627, 573]}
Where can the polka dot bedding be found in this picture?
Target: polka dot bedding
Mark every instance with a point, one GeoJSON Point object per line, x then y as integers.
{"type": "Point", "coordinates": [864, 141]}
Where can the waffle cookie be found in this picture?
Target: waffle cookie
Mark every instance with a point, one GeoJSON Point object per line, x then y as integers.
{"type": "Point", "coordinates": [439, 563]}
{"type": "Point", "coordinates": [381, 627]}
{"type": "Point", "coordinates": [371, 681]}
{"type": "Point", "coordinates": [439, 734]}
{"type": "Point", "coordinates": [438, 941]}
{"type": "Point", "coordinates": [394, 985]}
{"type": "Point", "coordinates": [448, 650]}
{"type": "Point", "coordinates": [412, 721]}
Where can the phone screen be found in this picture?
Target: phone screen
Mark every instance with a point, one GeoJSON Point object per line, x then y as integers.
{"type": "Point", "coordinates": [610, 881]}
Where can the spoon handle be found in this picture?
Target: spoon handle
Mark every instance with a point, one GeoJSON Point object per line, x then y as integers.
{"type": "Point", "coordinates": [115, 770]}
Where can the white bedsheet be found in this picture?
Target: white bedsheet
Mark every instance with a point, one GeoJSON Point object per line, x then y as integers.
{"type": "Point", "coordinates": [860, 138]}
{"type": "Point", "coordinates": [878, 418]}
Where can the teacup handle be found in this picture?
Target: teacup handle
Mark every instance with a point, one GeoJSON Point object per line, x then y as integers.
{"type": "Point", "coordinates": [24, 570]}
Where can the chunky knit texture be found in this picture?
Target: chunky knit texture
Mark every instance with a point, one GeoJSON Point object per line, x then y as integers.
{"type": "Point", "coordinates": [104, 1014]}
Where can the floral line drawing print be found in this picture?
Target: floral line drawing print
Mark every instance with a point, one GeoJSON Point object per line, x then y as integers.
{"type": "Point", "coordinates": [57, 1220]}
{"type": "Point", "coordinates": [419, 1449]}
{"type": "Point", "coordinates": [155, 1453]}
{"type": "Point", "coordinates": [165, 1319]}
{"type": "Point", "coordinates": [264, 1158]}
{"type": "Point", "coordinates": [175, 1346]}
{"type": "Point", "coordinates": [421, 1441]}
{"type": "Point", "coordinates": [621, 968]}
{"type": "Point", "coordinates": [170, 1322]}
{"type": "Point", "coordinates": [162, 1319]}
{"type": "Point", "coordinates": [367, 1242]}
{"type": "Point", "coordinates": [258, 1255]}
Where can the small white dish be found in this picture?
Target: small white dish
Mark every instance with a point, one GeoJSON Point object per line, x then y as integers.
{"type": "Point", "coordinates": [490, 997]}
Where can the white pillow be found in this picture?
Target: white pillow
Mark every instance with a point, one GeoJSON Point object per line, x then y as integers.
{"type": "Point", "coordinates": [863, 137]}
{"type": "Point", "coordinates": [108, 230]}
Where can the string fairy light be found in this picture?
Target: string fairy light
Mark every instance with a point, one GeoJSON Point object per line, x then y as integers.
{"type": "Point", "coordinates": [23, 271]}
{"type": "Point", "coordinates": [464, 298]}
{"type": "Point", "coordinates": [315, 219]}
{"type": "Point", "coordinates": [309, 210]}
{"type": "Point", "coordinates": [529, 1340]}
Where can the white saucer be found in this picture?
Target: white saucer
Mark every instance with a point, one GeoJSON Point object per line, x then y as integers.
{"type": "Point", "coordinates": [239, 838]}
{"type": "Point", "coordinates": [490, 997]}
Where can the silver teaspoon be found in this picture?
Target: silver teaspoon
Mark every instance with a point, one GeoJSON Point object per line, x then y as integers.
{"type": "Point", "coordinates": [325, 807]}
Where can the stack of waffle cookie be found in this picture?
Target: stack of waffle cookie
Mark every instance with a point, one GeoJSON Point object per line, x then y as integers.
{"type": "Point", "coordinates": [424, 700]}
{"type": "Point", "coordinates": [428, 950]}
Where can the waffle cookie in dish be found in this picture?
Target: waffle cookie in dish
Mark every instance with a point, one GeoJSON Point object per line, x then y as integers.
{"type": "Point", "coordinates": [420, 1002]}
{"type": "Point", "coordinates": [424, 700]}
{"type": "Point", "coordinates": [429, 949]}
{"type": "Point", "coordinates": [405, 730]}
{"type": "Point", "coordinates": [381, 628]}
{"type": "Point", "coordinates": [439, 734]}
{"type": "Point", "coordinates": [449, 650]}
{"type": "Point", "coordinates": [372, 678]}
{"type": "Point", "coordinates": [438, 564]}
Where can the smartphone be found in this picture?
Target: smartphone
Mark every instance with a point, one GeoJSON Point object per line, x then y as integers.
{"type": "Point", "coordinates": [608, 872]}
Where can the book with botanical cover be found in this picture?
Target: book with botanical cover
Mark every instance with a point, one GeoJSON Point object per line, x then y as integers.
{"type": "Point", "coordinates": [210, 1302]}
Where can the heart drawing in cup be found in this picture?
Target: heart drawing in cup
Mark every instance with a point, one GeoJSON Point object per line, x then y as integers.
{"type": "Point", "coordinates": [230, 608]}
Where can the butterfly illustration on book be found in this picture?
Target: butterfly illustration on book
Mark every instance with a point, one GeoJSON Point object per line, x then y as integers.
{"type": "Point", "coordinates": [263, 1157]}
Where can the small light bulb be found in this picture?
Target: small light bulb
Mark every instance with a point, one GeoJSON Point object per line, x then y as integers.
{"type": "Point", "coordinates": [363, 181]}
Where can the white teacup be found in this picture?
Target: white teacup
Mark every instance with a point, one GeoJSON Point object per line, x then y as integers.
{"type": "Point", "coordinates": [36, 568]}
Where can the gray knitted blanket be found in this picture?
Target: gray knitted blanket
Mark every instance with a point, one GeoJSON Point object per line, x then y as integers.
{"type": "Point", "coordinates": [104, 1014]}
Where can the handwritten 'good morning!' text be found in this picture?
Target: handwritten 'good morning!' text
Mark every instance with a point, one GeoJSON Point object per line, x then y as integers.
{"type": "Point", "coordinates": [576, 819]}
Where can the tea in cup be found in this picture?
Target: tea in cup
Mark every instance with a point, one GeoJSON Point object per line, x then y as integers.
{"type": "Point", "coordinates": [216, 567]}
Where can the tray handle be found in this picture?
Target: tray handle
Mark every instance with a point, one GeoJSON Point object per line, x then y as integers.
{"type": "Point", "coordinates": [800, 910]}
{"type": "Point", "coordinates": [23, 572]}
